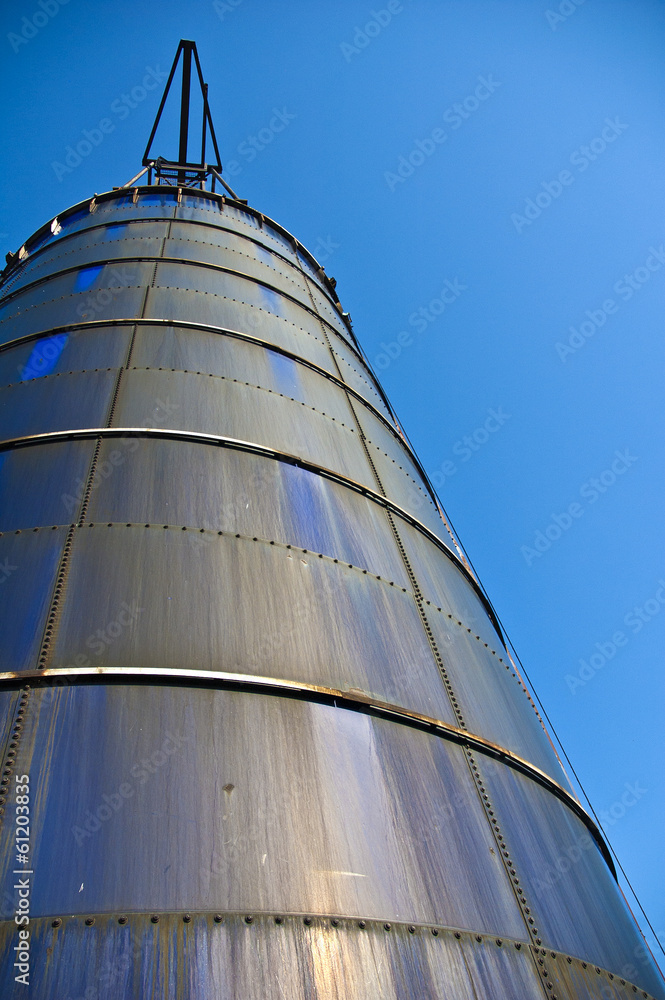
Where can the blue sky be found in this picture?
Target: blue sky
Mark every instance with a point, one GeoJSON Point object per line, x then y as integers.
{"type": "Point", "coordinates": [485, 181]}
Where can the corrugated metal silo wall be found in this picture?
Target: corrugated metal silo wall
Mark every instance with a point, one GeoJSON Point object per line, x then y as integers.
{"type": "Point", "coordinates": [286, 753]}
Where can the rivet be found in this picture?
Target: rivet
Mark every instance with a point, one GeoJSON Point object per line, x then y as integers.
{"type": "Point", "coordinates": [187, 917]}
{"type": "Point", "coordinates": [362, 924]}
{"type": "Point", "coordinates": [518, 945]}
{"type": "Point", "coordinates": [122, 920]}
{"type": "Point", "coordinates": [217, 918]}
{"type": "Point", "coordinates": [386, 927]}
{"type": "Point", "coordinates": [278, 920]}
{"type": "Point", "coordinates": [249, 919]}
{"type": "Point", "coordinates": [569, 960]}
{"type": "Point", "coordinates": [89, 921]}
{"type": "Point", "coordinates": [597, 971]}
{"type": "Point", "coordinates": [499, 942]}
{"type": "Point", "coordinates": [412, 929]}
{"type": "Point", "coordinates": [435, 932]}
{"type": "Point", "coordinates": [155, 918]}
{"type": "Point", "coordinates": [56, 923]}
{"type": "Point", "coordinates": [457, 935]}
{"type": "Point", "coordinates": [335, 922]}
{"type": "Point", "coordinates": [478, 937]}
{"type": "Point", "coordinates": [307, 921]}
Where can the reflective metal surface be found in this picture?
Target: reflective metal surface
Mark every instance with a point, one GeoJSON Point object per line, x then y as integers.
{"type": "Point", "coordinates": [302, 716]}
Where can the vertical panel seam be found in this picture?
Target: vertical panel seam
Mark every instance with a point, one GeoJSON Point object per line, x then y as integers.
{"type": "Point", "coordinates": [11, 747]}
{"type": "Point", "coordinates": [483, 797]}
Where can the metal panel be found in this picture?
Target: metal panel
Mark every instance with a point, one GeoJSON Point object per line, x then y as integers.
{"type": "Point", "coordinates": [353, 371]}
{"type": "Point", "coordinates": [28, 566]}
{"type": "Point", "coordinates": [408, 493]}
{"type": "Point", "coordinates": [56, 402]}
{"type": "Point", "coordinates": [203, 352]}
{"type": "Point", "coordinates": [43, 485]}
{"type": "Point", "coordinates": [93, 280]}
{"type": "Point", "coordinates": [175, 304]}
{"type": "Point", "coordinates": [229, 957]}
{"type": "Point", "coordinates": [105, 242]}
{"type": "Point", "coordinates": [491, 697]}
{"type": "Point", "coordinates": [65, 351]}
{"type": "Point", "coordinates": [272, 805]}
{"type": "Point", "coordinates": [255, 246]}
{"type": "Point", "coordinates": [392, 445]}
{"type": "Point", "coordinates": [212, 281]}
{"type": "Point", "coordinates": [157, 481]}
{"type": "Point", "coordinates": [447, 587]}
{"type": "Point", "coordinates": [104, 304]}
{"type": "Point", "coordinates": [211, 406]}
{"type": "Point", "coordinates": [255, 261]}
{"type": "Point", "coordinates": [563, 873]}
{"type": "Point", "coordinates": [309, 619]}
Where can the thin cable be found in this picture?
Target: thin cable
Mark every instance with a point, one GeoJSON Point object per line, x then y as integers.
{"type": "Point", "coordinates": [553, 730]}
{"type": "Point", "coordinates": [523, 668]}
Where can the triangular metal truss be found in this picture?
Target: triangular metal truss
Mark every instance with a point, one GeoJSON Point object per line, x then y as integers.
{"type": "Point", "coordinates": [182, 172]}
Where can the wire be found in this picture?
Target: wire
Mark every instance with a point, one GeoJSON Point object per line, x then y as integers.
{"type": "Point", "coordinates": [517, 657]}
{"type": "Point", "coordinates": [551, 725]}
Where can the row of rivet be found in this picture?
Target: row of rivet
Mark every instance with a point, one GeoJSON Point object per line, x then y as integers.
{"type": "Point", "coordinates": [54, 609]}
{"type": "Point", "coordinates": [322, 921]}
{"type": "Point", "coordinates": [484, 798]}
{"type": "Point", "coordinates": [12, 749]}
{"type": "Point", "coordinates": [255, 538]}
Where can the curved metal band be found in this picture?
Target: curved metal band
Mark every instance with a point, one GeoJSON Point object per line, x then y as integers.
{"type": "Point", "coordinates": [355, 701]}
{"type": "Point", "coordinates": [227, 332]}
{"type": "Point", "coordinates": [328, 288]}
{"type": "Point", "coordinates": [182, 261]}
{"type": "Point", "coordinates": [220, 199]}
{"type": "Point", "coordinates": [267, 452]}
